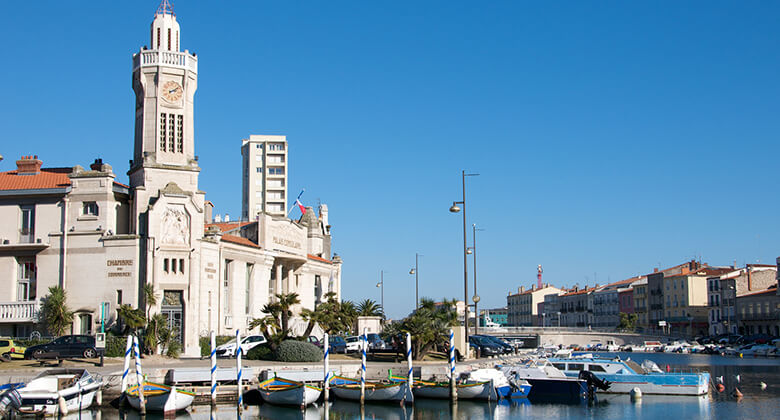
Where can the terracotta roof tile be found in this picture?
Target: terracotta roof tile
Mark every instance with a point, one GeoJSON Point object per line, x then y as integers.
{"type": "Point", "coordinates": [771, 290]}
{"type": "Point", "coordinates": [48, 178]}
{"type": "Point", "coordinates": [239, 240]}
{"type": "Point", "coordinates": [227, 226]}
{"type": "Point", "coordinates": [316, 258]}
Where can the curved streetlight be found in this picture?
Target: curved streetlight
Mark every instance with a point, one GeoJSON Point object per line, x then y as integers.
{"type": "Point", "coordinates": [416, 271]}
{"type": "Point", "coordinates": [456, 209]}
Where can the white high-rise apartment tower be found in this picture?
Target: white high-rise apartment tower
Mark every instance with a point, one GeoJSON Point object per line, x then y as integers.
{"type": "Point", "coordinates": [264, 178]}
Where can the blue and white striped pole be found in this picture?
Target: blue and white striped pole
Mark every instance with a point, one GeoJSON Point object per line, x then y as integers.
{"type": "Point", "coordinates": [326, 376]}
{"type": "Point", "coordinates": [409, 380]}
{"type": "Point", "coordinates": [364, 344]}
{"type": "Point", "coordinates": [213, 368]}
{"type": "Point", "coordinates": [239, 388]}
{"type": "Point", "coordinates": [139, 376]}
{"type": "Point", "coordinates": [128, 352]}
{"type": "Point", "coordinates": [453, 388]}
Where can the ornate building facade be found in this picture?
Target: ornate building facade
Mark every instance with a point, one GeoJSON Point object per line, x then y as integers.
{"type": "Point", "coordinates": [102, 241]}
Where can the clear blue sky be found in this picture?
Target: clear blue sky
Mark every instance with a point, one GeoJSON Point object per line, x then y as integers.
{"type": "Point", "coordinates": [610, 137]}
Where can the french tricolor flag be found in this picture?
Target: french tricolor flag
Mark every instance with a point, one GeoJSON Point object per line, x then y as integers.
{"type": "Point", "coordinates": [300, 206]}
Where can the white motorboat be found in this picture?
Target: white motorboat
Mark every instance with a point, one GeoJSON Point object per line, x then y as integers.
{"type": "Point", "coordinates": [59, 391]}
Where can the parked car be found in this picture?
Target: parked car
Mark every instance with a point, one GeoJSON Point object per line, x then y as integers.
{"type": "Point", "coordinates": [353, 344]}
{"type": "Point", "coordinates": [314, 340]}
{"type": "Point", "coordinates": [10, 349]}
{"type": "Point", "coordinates": [336, 344]}
{"type": "Point", "coordinates": [247, 343]}
{"type": "Point", "coordinates": [65, 346]}
{"type": "Point", "coordinates": [485, 347]}
{"type": "Point", "coordinates": [757, 338]}
{"type": "Point", "coordinates": [505, 347]}
{"type": "Point", "coordinates": [375, 342]}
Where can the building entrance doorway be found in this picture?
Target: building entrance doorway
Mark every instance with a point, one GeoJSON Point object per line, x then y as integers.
{"type": "Point", "coordinates": [173, 311]}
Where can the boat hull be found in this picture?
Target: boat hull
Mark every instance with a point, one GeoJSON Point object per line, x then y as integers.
{"type": "Point", "coordinates": [286, 392]}
{"type": "Point", "coordinates": [349, 389]}
{"type": "Point", "coordinates": [468, 391]}
{"type": "Point", "coordinates": [160, 398]}
{"type": "Point", "coordinates": [659, 383]}
{"type": "Point", "coordinates": [41, 395]}
{"type": "Point", "coordinates": [561, 390]}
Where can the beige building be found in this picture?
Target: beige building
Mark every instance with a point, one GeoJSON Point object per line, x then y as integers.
{"type": "Point", "coordinates": [102, 241]}
{"type": "Point", "coordinates": [641, 303]}
{"type": "Point", "coordinates": [759, 312]}
{"type": "Point", "coordinates": [523, 306]}
{"type": "Point", "coordinates": [685, 300]}
{"type": "Point", "coordinates": [264, 177]}
{"type": "Point", "coordinates": [723, 290]}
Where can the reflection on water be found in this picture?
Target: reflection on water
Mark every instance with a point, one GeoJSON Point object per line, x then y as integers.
{"type": "Point", "coordinates": [757, 404]}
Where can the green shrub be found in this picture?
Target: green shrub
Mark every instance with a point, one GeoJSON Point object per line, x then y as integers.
{"type": "Point", "coordinates": [115, 346]}
{"type": "Point", "coordinates": [298, 351]}
{"type": "Point", "coordinates": [261, 352]}
{"type": "Point", "coordinates": [174, 349]}
{"type": "Point", "coordinates": [205, 343]}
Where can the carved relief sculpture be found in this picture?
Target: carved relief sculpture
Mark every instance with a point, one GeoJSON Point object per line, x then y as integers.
{"type": "Point", "coordinates": [175, 226]}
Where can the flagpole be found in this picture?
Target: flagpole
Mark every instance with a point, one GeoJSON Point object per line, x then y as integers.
{"type": "Point", "coordinates": [296, 200]}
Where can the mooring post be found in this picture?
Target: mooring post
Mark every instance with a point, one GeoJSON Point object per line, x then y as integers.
{"type": "Point", "coordinates": [326, 376]}
{"type": "Point", "coordinates": [139, 376]}
{"type": "Point", "coordinates": [239, 388]}
{"type": "Point", "coordinates": [409, 379]}
{"type": "Point", "coordinates": [213, 367]}
{"type": "Point", "coordinates": [453, 388]}
{"type": "Point", "coordinates": [364, 344]}
{"type": "Point", "coordinates": [128, 350]}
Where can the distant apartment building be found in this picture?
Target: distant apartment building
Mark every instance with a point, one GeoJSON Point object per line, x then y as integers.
{"type": "Point", "coordinates": [655, 287]}
{"type": "Point", "coordinates": [641, 303]}
{"type": "Point", "coordinates": [723, 290]}
{"type": "Point", "coordinates": [523, 306]}
{"type": "Point", "coordinates": [686, 308]}
{"type": "Point", "coordinates": [264, 180]}
{"type": "Point", "coordinates": [759, 312]}
{"type": "Point", "coordinates": [577, 307]}
{"type": "Point", "coordinates": [552, 309]}
{"type": "Point", "coordinates": [606, 303]}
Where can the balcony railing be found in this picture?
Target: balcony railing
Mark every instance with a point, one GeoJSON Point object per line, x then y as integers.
{"type": "Point", "coordinates": [759, 317]}
{"type": "Point", "coordinates": [181, 60]}
{"type": "Point", "coordinates": [19, 311]}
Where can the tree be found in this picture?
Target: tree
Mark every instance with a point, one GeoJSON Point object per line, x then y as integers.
{"type": "Point", "coordinates": [275, 325]}
{"type": "Point", "coordinates": [429, 325]}
{"type": "Point", "coordinates": [132, 318]}
{"type": "Point", "coordinates": [369, 307]}
{"type": "Point", "coordinates": [55, 312]}
{"type": "Point", "coordinates": [149, 297]}
{"type": "Point", "coordinates": [627, 321]}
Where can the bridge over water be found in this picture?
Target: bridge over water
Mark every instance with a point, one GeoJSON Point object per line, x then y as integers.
{"type": "Point", "coordinates": [537, 336]}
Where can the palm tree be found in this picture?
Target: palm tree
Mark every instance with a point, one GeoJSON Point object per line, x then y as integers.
{"type": "Point", "coordinates": [55, 312]}
{"type": "Point", "coordinates": [132, 318]}
{"type": "Point", "coordinates": [275, 325]}
{"type": "Point", "coordinates": [286, 302]}
{"type": "Point", "coordinates": [369, 307]}
{"type": "Point", "coordinates": [149, 297]}
{"type": "Point", "coordinates": [429, 325]}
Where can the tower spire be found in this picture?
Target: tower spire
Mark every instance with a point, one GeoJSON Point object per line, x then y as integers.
{"type": "Point", "coordinates": [165, 8]}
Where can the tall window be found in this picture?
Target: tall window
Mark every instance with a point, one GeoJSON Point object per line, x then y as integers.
{"type": "Point", "coordinates": [169, 39]}
{"type": "Point", "coordinates": [25, 284]}
{"type": "Point", "coordinates": [249, 270]}
{"type": "Point", "coordinates": [226, 286]}
{"type": "Point", "coordinates": [158, 38]}
{"type": "Point", "coordinates": [27, 231]}
{"type": "Point", "coordinates": [272, 283]}
{"type": "Point", "coordinates": [180, 133]}
{"type": "Point", "coordinates": [171, 132]}
{"type": "Point", "coordinates": [163, 130]}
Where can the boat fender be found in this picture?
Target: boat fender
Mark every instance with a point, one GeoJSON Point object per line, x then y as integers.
{"type": "Point", "coordinates": [668, 369]}
{"type": "Point", "coordinates": [99, 397]}
{"type": "Point", "coordinates": [763, 385]}
{"type": "Point", "coordinates": [737, 393]}
{"type": "Point", "coordinates": [636, 394]}
{"type": "Point", "coordinates": [63, 406]}
{"type": "Point", "coordinates": [721, 388]}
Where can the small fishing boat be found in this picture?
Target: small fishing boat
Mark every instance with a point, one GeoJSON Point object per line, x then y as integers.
{"type": "Point", "coordinates": [349, 389]}
{"type": "Point", "coordinates": [469, 390]}
{"type": "Point", "coordinates": [58, 391]}
{"type": "Point", "coordinates": [626, 375]}
{"type": "Point", "coordinates": [282, 391]}
{"type": "Point", "coordinates": [160, 398]}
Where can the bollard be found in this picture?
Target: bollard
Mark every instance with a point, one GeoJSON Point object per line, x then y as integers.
{"type": "Point", "coordinates": [326, 376]}
{"type": "Point", "coordinates": [409, 380]}
{"type": "Point", "coordinates": [239, 388]}
{"type": "Point", "coordinates": [453, 388]}
{"type": "Point", "coordinates": [213, 368]}
{"type": "Point", "coordinates": [139, 376]}
{"type": "Point", "coordinates": [128, 349]}
{"type": "Point", "coordinates": [364, 344]}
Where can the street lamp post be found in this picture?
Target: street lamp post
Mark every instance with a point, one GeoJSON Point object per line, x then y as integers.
{"type": "Point", "coordinates": [455, 209]}
{"type": "Point", "coordinates": [559, 321]}
{"type": "Point", "coordinates": [416, 272]}
{"type": "Point", "coordinates": [475, 298]}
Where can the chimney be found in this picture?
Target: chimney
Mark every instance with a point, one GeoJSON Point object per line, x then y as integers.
{"type": "Point", "coordinates": [655, 270]}
{"type": "Point", "coordinates": [521, 289]}
{"type": "Point", "coordinates": [533, 287]}
{"type": "Point", "coordinates": [28, 165]}
{"type": "Point", "coordinates": [750, 278]}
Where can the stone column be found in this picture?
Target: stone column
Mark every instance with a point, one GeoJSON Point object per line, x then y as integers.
{"type": "Point", "coordinates": [278, 288]}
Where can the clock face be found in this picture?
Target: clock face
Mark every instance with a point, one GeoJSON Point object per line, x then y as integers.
{"type": "Point", "coordinates": [171, 91]}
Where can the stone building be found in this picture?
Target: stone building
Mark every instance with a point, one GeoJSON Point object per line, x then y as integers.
{"type": "Point", "coordinates": [686, 308]}
{"type": "Point", "coordinates": [723, 290]}
{"type": "Point", "coordinates": [102, 241]}
{"type": "Point", "coordinates": [523, 306]}
{"type": "Point", "coordinates": [759, 312]}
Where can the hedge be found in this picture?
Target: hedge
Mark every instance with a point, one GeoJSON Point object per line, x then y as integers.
{"type": "Point", "coordinates": [261, 352]}
{"type": "Point", "coordinates": [298, 351]}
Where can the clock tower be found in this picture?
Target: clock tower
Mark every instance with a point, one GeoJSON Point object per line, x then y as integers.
{"type": "Point", "coordinates": [164, 81]}
{"type": "Point", "coordinates": [168, 209]}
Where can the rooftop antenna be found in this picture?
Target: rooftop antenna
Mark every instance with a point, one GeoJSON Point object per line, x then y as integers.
{"type": "Point", "coordinates": [165, 8]}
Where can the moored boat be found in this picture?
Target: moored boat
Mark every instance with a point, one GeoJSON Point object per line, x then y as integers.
{"type": "Point", "coordinates": [349, 389]}
{"type": "Point", "coordinates": [58, 391]}
{"type": "Point", "coordinates": [468, 390]}
{"type": "Point", "coordinates": [160, 398]}
{"type": "Point", "coordinates": [282, 391]}
{"type": "Point", "coordinates": [625, 375]}
{"type": "Point", "coordinates": [548, 384]}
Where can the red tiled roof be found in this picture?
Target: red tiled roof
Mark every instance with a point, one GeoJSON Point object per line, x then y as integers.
{"type": "Point", "coordinates": [48, 178]}
{"type": "Point", "coordinates": [239, 240]}
{"type": "Point", "coordinates": [121, 184]}
{"type": "Point", "coordinates": [771, 289]}
{"type": "Point", "coordinates": [227, 226]}
{"type": "Point", "coordinates": [316, 258]}
{"type": "Point", "coordinates": [579, 292]}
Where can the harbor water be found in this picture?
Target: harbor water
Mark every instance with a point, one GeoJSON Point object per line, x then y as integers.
{"type": "Point", "coordinates": [756, 403]}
